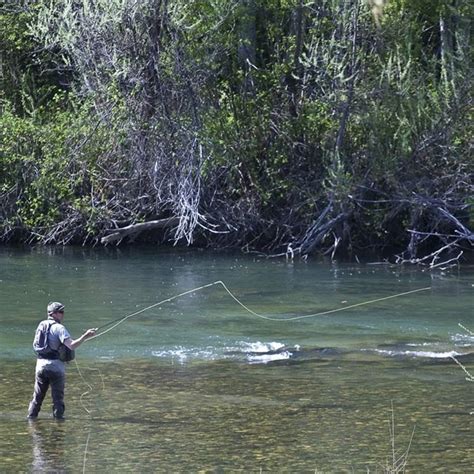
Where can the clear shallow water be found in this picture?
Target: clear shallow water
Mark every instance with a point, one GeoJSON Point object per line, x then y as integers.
{"type": "Point", "coordinates": [199, 383]}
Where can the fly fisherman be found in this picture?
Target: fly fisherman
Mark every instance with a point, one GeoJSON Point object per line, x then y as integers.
{"type": "Point", "coordinates": [54, 346]}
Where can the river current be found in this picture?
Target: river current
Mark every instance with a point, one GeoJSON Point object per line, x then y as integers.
{"type": "Point", "coordinates": [202, 383]}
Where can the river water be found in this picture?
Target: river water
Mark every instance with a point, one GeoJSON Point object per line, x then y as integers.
{"type": "Point", "coordinates": [200, 383]}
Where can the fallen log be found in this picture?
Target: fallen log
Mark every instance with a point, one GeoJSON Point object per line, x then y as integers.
{"type": "Point", "coordinates": [119, 234]}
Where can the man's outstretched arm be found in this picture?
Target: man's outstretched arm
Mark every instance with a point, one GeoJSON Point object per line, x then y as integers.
{"type": "Point", "coordinates": [75, 343]}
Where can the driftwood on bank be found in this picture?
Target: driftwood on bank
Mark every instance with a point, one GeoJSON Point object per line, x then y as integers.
{"type": "Point", "coordinates": [453, 237]}
{"type": "Point", "coordinates": [133, 229]}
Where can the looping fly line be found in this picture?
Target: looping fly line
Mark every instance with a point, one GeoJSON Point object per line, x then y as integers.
{"type": "Point", "coordinates": [119, 321]}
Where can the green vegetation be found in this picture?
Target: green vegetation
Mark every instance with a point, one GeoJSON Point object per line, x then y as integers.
{"type": "Point", "coordinates": [282, 126]}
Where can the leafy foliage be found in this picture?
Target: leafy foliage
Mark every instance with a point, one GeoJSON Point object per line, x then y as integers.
{"type": "Point", "coordinates": [283, 126]}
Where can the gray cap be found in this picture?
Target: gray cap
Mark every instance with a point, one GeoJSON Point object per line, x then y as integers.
{"type": "Point", "coordinates": [55, 306]}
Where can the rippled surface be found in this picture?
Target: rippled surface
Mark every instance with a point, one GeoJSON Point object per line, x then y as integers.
{"type": "Point", "coordinates": [200, 384]}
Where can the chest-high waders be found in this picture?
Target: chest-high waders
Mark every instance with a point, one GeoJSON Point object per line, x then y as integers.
{"type": "Point", "coordinates": [49, 373]}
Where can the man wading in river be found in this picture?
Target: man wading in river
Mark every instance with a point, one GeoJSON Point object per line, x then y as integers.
{"type": "Point", "coordinates": [54, 346]}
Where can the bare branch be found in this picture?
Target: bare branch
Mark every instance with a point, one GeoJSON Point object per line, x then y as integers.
{"type": "Point", "coordinates": [119, 234]}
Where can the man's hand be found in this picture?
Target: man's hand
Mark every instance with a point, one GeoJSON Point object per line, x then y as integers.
{"type": "Point", "coordinates": [77, 342]}
{"type": "Point", "coordinates": [89, 333]}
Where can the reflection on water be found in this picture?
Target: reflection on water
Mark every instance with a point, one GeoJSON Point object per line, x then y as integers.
{"type": "Point", "coordinates": [48, 441]}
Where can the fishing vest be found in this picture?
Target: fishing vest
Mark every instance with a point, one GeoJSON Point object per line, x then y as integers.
{"type": "Point", "coordinates": [42, 348]}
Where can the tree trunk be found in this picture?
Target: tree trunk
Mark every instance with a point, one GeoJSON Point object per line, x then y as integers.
{"type": "Point", "coordinates": [298, 27]}
{"type": "Point", "coordinates": [247, 43]}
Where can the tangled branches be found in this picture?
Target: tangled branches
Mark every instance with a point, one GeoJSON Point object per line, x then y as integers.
{"type": "Point", "coordinates": [285, 128]}
{"type": "Point", "coordinates": [130, 63]}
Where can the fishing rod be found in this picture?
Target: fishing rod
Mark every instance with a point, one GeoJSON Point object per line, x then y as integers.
{"type": "Point", "coordinates": [124, 318]}
{"type": "Point", "coordinates": [114, 323]}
